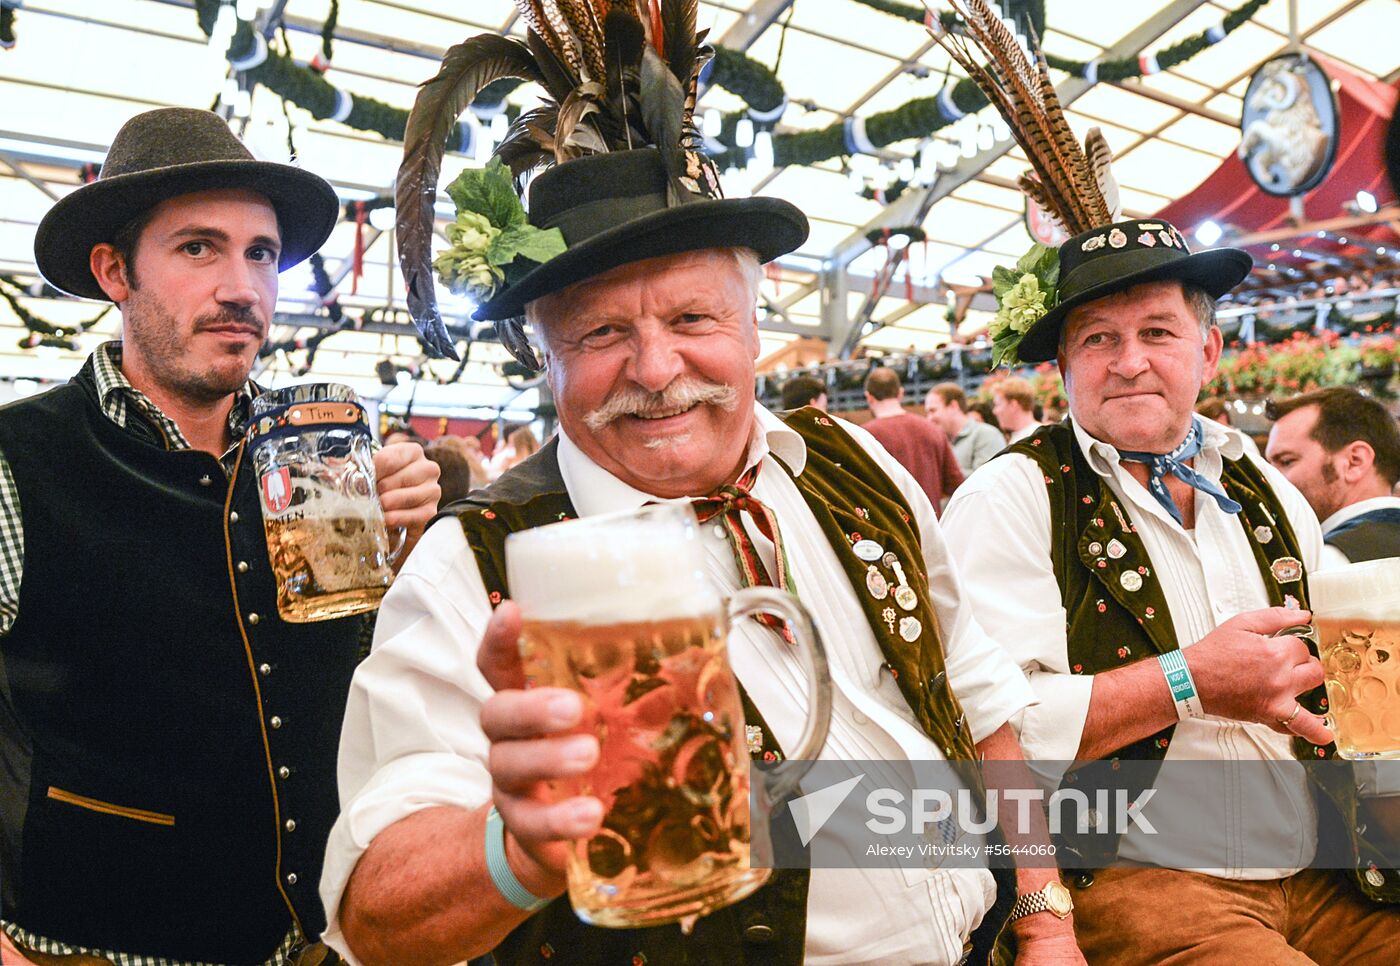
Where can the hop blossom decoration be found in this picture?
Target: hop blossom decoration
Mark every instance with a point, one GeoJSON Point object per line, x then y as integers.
{"type": "Point", "coordinates": [464, 267]}
{"type": "Point", "coordinates": [1024, 294]}
{"type": "Point", "coordinates": [491, 241]}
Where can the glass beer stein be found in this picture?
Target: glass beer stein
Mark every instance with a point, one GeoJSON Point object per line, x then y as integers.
{"type": "Point", "coordinates": [326, 541]}
{"type": "Point", "coordinates": [1356, 610]}
{"type": "Point", "coordinates": [618, 608]}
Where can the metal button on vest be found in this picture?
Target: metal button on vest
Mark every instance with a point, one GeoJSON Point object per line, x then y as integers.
{"type": "Point", "coordinates": [205, 480]}
{"type": "Point", "coordinates": [233, 517]}
{"type": "Point", "coordinates": [284, 772]}
{"type": "Point", "coordinates": [758, 933]}
{"type": "Point", "coordinates": [940, 679]}
{"type": "Point", "coordinates": [859, 718]}
{"type": "Point", "coordinates": [291, 878]}
{"type": "Point", "coordinates": [291, 825]}
{"type": "Point", "coordinates": [253, 618]}
{"type": "Point", "coordinates": [242, 566]}
{"type": "Point", "coordinates": [1375, 878]}
{"type": "Point", "coordinates": [275, 721]}
{"type": "Point", "coordinates": [1084, 880]}
{"type": "Point", "coordinates": [265, 669]}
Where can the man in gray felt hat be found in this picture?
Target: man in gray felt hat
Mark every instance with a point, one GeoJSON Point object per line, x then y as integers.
{"type": "Point", "coordinates": [168, 742]}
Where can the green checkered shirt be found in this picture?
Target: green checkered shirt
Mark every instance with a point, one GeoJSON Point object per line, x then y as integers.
{"type": "Point", "coordinates": [117, 396]}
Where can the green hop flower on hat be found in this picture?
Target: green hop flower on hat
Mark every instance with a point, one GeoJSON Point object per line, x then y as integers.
{"type": "Point", "coordinates": [1023, 303]}
{"type": "Point", "coordinates": [464, 267]}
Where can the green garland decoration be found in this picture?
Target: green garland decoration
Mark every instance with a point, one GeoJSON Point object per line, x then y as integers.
{"type": "Point", "coordinates": [7, 23]}
{"type": "Point", "coordinates": [746, 78]}
{"type": "Point", "coordinates": [328, 30]}
{"type": "Point", "coordinates": [1109, 70]}
{"type": "Point", "coordinates": [41, 331]}
{"type": "Point", "coordinates": [732, 70]}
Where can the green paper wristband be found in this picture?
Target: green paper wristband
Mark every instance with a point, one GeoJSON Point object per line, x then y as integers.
{"type": "Point", "coordinates": [1181, 685]}
{"type": "Point", "coordinates": [501, 874]}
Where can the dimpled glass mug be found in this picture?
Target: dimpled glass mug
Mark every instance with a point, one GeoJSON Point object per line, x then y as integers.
{"type": "Point", "coordinates": [1356, 610]}
{"type": "Point", "coordinates": [313, 456]}
{"type": "Point", "coordinates": [618, 608]}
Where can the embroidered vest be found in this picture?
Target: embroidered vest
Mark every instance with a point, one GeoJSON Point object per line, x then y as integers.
{"type": "Point", "coordinates": [852, 500]}
{"type": "Point", "coordinates": [1116, 614]}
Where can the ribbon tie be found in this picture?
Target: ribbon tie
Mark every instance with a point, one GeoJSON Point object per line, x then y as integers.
{"type": "Point", "coordinates": [727, 505]}
{"type": "Point", "coordinates": [1160, 464]}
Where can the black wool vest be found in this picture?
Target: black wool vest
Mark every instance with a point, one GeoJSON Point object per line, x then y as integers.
{"type": "Point", "coordinates": [168, 743]}
{"type": "Point", "coordinates": [852, 499]}
{"type": "Point", "coordinates": [1370, 536]}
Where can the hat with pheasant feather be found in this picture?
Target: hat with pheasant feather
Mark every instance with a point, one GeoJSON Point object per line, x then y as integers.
{"type": "Point", "coordinates": [1075, 186]}
{"type": "Point", "coordinates": [618, 172]}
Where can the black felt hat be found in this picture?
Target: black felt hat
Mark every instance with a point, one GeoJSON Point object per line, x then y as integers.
{"type": "Point", "coordinates": [162, 154]}
{"type": "Point", "coordinates": [613, 210]}
{"type": "Point", "coordinates": [1116, 257]}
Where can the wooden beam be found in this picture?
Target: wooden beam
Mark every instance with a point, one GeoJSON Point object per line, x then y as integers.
{"type": "Point", "coordinates": [1386, 215]}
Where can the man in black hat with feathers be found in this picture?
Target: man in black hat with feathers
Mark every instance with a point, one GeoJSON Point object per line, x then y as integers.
{"type": "Point", "coordinates": [1149, 576]}
{"type": "Point", "coordinates": [168, 741]}
{"type": "Point", "coordinates": [641, 282]}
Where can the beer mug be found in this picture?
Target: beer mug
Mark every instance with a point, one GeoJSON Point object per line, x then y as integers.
{"type": "Point", "coordinates": [312, 454]}
{"type": "Point", "coordinates": [1356, 610]}
{"type": "Point", "coordinates": [618, 607]}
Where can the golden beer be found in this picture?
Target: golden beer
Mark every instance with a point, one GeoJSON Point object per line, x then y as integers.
{"type": "Point", "coordinates": [328, 567]}
{"type": "Point", "coordinates": [620, 608]}
{"type": "Point", "coordinates": [673, 770]}
{"type": "Point", "coordinates": [1356, 610]}
{"type": "Point", "coordinates": [312, 455]}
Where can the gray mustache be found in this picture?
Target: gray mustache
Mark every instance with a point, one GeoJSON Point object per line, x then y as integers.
{"type": "Point", "coordinates": [677, 397]}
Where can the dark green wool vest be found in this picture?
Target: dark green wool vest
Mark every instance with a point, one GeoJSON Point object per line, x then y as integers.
{"type": "Point", "coordinates": [1109, 626]}
{"type": "Point", "coordinates": [168, 744]}
{"type": "Point", "coordinates": [852, 499]}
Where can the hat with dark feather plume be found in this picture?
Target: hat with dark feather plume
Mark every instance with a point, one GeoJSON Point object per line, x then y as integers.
{"type": "Point", "coordinates": [624, 176]}
{"type": "Point", "coordinates": [1075, 187]}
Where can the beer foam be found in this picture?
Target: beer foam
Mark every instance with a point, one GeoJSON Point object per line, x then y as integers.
{"type": "Point", "coordinates": [614, 568]}
{"type": "Point", "coordinates": [1362, 591]}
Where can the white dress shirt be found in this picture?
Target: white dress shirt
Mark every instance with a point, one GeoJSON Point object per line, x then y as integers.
{"type": "Point", "coordinates": [412, 737]}
{"type": "Point", "coordinates": [998, 528]}
{"type": "Point", "coordinates": [1331, 556]}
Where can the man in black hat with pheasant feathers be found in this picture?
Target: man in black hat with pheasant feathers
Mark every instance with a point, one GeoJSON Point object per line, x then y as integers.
{"type": "Point", "coordinates": [1148, 574]}
{"type": "Point", "coordinates": [167, 739]}
{"type": "Point", "coordinates": [640, 282]}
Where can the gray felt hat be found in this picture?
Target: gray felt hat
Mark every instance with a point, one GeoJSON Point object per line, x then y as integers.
{"type": "Point", "coordinates": [162, 154]}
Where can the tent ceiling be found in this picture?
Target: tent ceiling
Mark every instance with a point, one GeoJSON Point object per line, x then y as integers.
{"type": "Point", "coordinates": [80, 69]}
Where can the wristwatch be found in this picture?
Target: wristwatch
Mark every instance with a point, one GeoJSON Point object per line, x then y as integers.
{"type": "Point", "coordinates": [1054, 898]}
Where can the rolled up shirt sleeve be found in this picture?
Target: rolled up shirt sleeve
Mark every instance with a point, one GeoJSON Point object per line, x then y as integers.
{"type": "Point", "coordinates": [988, 684]}
{"type": "Point", "coordinates": [997, 528]}
{"type": "Point", "coordinates": [412, 736]}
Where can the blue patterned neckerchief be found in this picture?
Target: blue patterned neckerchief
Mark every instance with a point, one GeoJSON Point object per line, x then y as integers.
{"type": "Point", "coordinates": [1159, 465]}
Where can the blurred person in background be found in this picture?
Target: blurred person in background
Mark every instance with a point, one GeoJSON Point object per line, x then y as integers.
{"type": "Point", "coordinates": [919, 444]}
{"type": "Point", "coordinates": [1013, 402]}
{"type": "Point", "coordinates": [802, 391]}
{"type": "Point", "coordinates": [974, 442]}
{"type": "Point", "coordinates": [1342, 451]}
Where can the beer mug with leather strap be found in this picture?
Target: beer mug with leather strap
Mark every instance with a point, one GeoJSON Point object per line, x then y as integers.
{"type": "Point", "coordinates": [620, 608]}
{"type": "Point", "coordinates": [313, 457]}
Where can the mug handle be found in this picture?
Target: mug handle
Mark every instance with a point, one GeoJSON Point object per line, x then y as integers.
{"type": "Point", "coordinates": [400, 541]}
{"type": "Point", "coordinates": [782, 780]}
